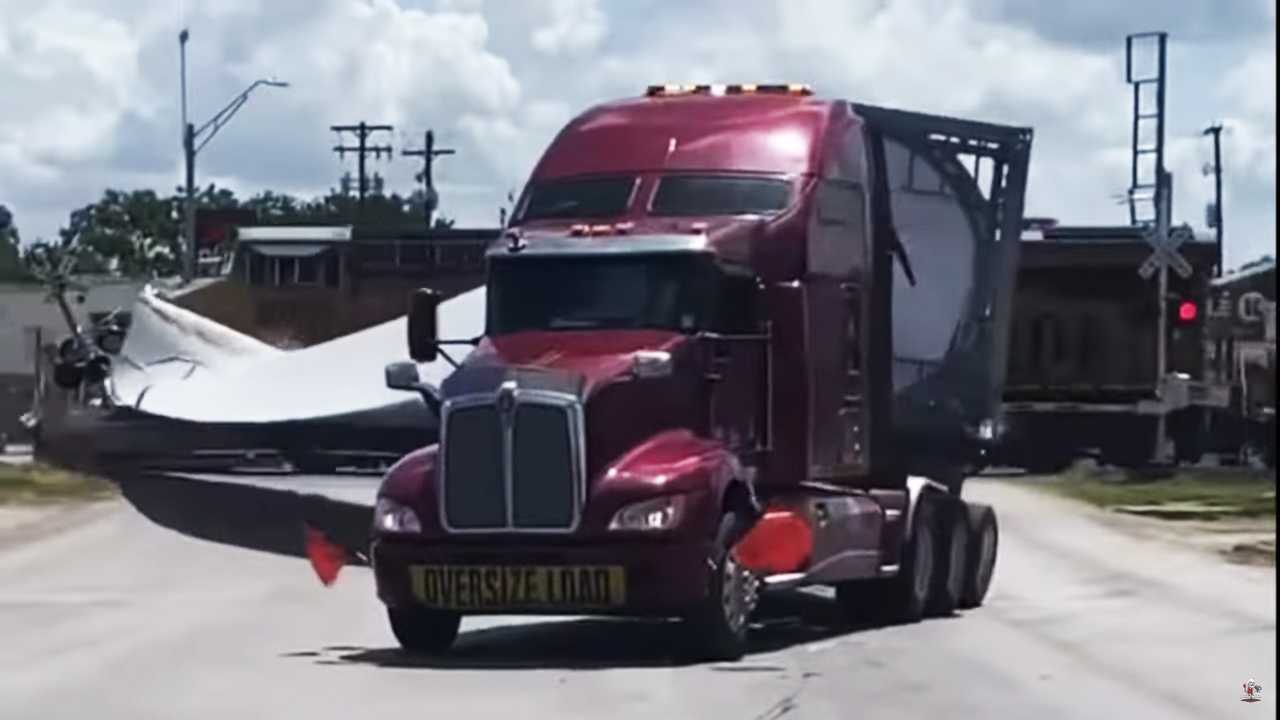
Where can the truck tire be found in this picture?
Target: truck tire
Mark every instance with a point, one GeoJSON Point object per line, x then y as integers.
{"type": "Point", "coordinates": [951, 567]}
{"type": "Point", "coordinates": [902, 598]}
{"type": "Point", "coordinates": [423, 631]}
{"type": "Point", "coordinates": [718, 626]}
{"type": "Point", "coordinates": [984, 538]}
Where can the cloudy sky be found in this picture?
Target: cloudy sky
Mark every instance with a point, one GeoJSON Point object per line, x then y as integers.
{"type": "Point", "coordinates": [89, 89]}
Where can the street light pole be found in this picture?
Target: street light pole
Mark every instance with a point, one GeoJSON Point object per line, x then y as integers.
{"type": "Point", "coordinates": [190, 134]}
{"type": "Point", "coordinates": [189, 158]}
{"type": "Point", "coordinates": [189, 206]}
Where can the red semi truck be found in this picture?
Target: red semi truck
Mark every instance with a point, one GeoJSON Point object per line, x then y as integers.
{"type": "Point", "coordinates": [737, 339]}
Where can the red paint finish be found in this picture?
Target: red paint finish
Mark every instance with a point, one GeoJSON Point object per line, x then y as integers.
{"type": "Point", "coordinates": [599, 355]}
{"type": "Point", "coordinates": [670, 462]}
{"type": "Point", "coordinates": [765, 133]}
{"type": "Point", "coordinates": [785, 136]}
{"type": "Point", "coordinates": [412, 481]}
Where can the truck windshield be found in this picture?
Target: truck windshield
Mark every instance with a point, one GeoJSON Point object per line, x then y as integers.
{"type": "Point", "coordinates": [585, 198]}
{"type": "Point", "coordinates": [690, 195]}
{"type": "Point", "coordinates": [654, 291]}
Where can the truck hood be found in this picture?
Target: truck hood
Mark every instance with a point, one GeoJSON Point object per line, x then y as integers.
{"type": "Point", "coordinates": [578, 362]}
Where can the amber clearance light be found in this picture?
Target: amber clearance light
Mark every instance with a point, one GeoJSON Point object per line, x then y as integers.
{"type": "Point", "coordinates": [671, 90]}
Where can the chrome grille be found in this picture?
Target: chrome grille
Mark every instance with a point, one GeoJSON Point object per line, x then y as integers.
{"type": "Point", "coordinates": [476, 496]}
{"type": "Point", "coordinates": [512, 461]}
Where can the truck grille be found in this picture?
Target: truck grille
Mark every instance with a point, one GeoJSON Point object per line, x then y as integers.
{"type": "Point", "coordinates": [517, 467]}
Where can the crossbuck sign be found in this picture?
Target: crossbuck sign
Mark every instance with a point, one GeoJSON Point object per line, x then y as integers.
{"type": "Point", "coordinates": [1166, 254]}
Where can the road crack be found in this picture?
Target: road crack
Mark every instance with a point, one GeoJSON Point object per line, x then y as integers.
{"type": "Point", "coordinates": [788, 702]}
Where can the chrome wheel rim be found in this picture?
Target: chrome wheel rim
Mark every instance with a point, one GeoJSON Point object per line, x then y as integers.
{"type": "Point", "coordinates": [738, 591]}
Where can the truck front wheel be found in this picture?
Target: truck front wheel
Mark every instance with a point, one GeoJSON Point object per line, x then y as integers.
{"type": "Point", "coordinates": [718, 627]}
{"type": "Point", "coordinates": [420, 630]}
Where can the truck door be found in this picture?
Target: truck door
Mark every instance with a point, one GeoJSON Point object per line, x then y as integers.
{"type": "Point", "coordinates": [956, 193]}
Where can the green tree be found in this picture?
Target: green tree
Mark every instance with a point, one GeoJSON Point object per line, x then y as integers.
{"type": "Point", "coordinates": [11, 267]}
{"type": "Point", "coordinates": [134, 233]}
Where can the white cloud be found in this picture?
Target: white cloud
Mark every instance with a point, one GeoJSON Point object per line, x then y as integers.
{"type": "Point", "coordinates": [68, 75]}
{"type": "Point", "coordinates": [572, 26]}
{"type": "Point", "coordinates": [497, 80]}
{"type": "Point", "coordinates": [1251, 85]}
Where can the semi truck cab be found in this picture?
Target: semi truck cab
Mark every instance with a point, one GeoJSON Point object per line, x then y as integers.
{"type": "Point", "coordinates": [688, 391]}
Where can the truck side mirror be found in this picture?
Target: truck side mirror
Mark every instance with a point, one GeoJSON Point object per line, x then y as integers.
{"type": "Point", "coordinates": [403, 375]}
{"type": "Point", "coordinates": [423, 304]}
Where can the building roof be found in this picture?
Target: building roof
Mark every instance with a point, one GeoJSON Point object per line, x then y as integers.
{"type": "Point", "coordinates": [294, 233]}
{"type": "Point", "coordinates": [1263, 266]}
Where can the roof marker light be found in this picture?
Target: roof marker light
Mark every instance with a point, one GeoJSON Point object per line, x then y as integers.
{"type": "Point", "coordinates": [719, 90]}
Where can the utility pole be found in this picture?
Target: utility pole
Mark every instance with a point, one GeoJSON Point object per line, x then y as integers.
{"type": "Point", "coordinates": [1156, 187]}
{"type": "Point", "coordinates": [1216, 131]}
{"type": "Point", "coordinates": [363, 148]}
{"type": "Point", "coordinates": [428, 153]}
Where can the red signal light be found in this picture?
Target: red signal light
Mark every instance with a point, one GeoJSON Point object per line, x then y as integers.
{"type": "Point", "coordinates": [1187, 311]}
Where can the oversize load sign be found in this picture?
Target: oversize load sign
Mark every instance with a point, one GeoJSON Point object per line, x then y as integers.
{"type": "Point", "coordinates": [500, 587]}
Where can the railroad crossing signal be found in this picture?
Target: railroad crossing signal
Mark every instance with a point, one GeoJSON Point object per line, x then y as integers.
{"type": "Point", "coordinates": [1166, 254]}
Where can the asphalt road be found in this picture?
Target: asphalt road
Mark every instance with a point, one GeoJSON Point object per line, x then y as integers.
{"type": "Point", "coordinates": [109, 616]}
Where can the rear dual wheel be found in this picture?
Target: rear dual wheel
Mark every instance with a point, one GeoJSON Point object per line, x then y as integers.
{"type": "Point", "coordinates": [984, 540]}
{"type": "Point", "coordinates": [902, 598]}
{"type": "Point", "coordinates": [947, 564]}
{"type": "Point", "coordinates": [953, 551]}
{"type": "Point", "coordinates": [967, 548]}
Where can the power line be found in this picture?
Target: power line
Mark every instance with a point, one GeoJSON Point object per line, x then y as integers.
{"type": "Point", "coordinates": [362, 132]}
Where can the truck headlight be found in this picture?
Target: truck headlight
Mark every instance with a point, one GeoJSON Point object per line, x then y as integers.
{"type": "Point", "coordinates": [656, 514]}
{"type": "Point", "coordinates": [392, 516]}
